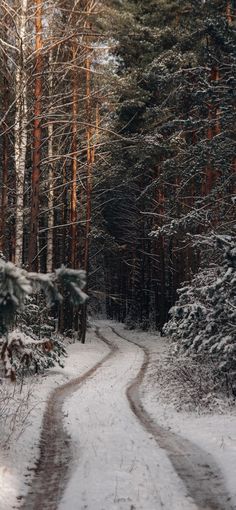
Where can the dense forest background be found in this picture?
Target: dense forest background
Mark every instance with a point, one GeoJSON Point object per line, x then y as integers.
{"type": "Point", "coordinates": [172, 176]}
{"type": "Point", "coordinates": [118, 150]}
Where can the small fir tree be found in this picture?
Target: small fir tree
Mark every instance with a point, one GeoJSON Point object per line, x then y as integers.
{"type": "Point", "coordinates": [16, 285]}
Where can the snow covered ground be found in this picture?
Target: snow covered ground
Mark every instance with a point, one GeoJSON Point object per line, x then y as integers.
{"type": "Point", "coordinates": [215, 433]}
{"type": "Point", "coordinates": [17, 463]}
{"type": "Point", "coordinates": [116, 463]}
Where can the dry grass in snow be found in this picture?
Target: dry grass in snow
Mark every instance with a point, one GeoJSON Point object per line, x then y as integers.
{"type": "Point", "coordinates": [15, 409]}
{"type": "Point", "coordinates": [189, 384]}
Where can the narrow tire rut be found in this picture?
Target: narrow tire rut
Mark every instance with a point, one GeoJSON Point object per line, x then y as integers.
{"type": "Point", "coordinates": [53, 467]}
{"type": "Point", "coordinates": [195, 467]}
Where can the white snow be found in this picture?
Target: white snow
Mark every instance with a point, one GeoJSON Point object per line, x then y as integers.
{"type": "Point", "coordinates": [214, 433]}
{"type": "Point", "coordinates": [117, 464]}
{"type": "Point", "coordinates": [17, 463]}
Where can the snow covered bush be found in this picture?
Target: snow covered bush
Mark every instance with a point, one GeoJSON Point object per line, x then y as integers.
{"type": "Point", "coordinates": [16, 405]}
{"type": "Point", "coordinates": [188, 383]}
{"type": "Point", "coordinates": [20, 353]}
{"type": "Point", "coordinates": [36, 319]}
{"type": "Point", "coordinates": [203, 321]}
{"type": "Point", "coordinates": [18, 349]}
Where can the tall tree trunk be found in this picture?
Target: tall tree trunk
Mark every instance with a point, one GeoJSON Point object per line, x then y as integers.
{"type": "Point", "coordinates": [20, 131]}
{"type": "Point", "coordinates": [161, 252]}
{"type": "Point", "coordinates": [230, 16]}
{"type": "Point", "coordinates": [90, 161]}
{"type": "Point", "coordinates": [50, 174]}
{"type": "Point", "coordinates": [229, 12]}
{"type": "Point", "coordinates": [33, 243]}
{"type": "Point", "coordinates": [73, 211]}
{"type": "Point", "coordinates": [213, 128]}
{"type": "Point", "coordinates": [4, 194]}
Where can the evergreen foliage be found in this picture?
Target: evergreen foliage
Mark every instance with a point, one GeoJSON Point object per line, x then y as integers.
{"type": "Point", "coordinates": [203, 321]}
{"type": "Point", "coordinates": [18, 349]}
{"type": "Point", "coordinates": [173, 167]}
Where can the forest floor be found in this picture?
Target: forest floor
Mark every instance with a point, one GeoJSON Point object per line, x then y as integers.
{"type": "Point", "coordinates": [105, 433]}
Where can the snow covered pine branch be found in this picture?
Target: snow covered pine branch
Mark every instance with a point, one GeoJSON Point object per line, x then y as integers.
{"type": "Point", "coordinates": [16, 286]}
{"type": "Point", "coordinates": [203, 321]}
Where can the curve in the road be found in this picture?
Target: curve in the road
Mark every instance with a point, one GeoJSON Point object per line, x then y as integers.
{"type": "Point", "coordinates": [56, 457]}
{"type": "Point", "coordinates": [197, 468]}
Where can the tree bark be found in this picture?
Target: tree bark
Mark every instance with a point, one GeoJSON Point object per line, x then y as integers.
{"type": "Point", "coordinates": [4, 193]}
{"type": "Point", "coordinates": [20, 131]}
{"type": "Point", "coordinates": [229, 12]}
{"type": "Point", "coordinates": [50, 175]}
{"type": "Point", "coordinates": [73, 211]}
{"type": "Point", "coordinates": [89, 163]}
{"type": "Point", "coordinates": [33, 243]}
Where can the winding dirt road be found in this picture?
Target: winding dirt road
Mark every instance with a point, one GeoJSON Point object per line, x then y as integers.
{"type": "Point", "coordinates": [107, 457]}
{"type": "Point", "coordinates": [56, 451]}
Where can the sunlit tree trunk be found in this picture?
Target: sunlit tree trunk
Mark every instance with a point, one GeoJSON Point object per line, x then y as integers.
{"type": "Point", "coordinates": [50, 174]}
{"type": "Point", "coordinates": [33, 243]}
{"type": "Point", "coordinates": [73, 211]}
{"type": "Point", "coordinates": [91, 134]}
{"type": "Point", "coordinates": [90, 157]}
{"type": "Point", "coordinates": [88, 188]}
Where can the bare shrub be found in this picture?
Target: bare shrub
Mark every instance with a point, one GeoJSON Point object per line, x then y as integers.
{"type": "Point", "coordinates": [15, 409]}
{"type": "Point", "coordinates": [189, 384]}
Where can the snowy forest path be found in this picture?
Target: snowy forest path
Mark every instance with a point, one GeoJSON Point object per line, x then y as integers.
{"type": "Point", "coordinates": [196, 468]}
{"type": "Point", "coordinates": [110, 454]}
{"type": "Point", "coordinates": [56, 451]}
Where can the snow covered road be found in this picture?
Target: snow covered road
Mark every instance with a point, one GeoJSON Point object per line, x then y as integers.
{"type": "Point", "coordinates": [100, 450]}
{"type": "Point", "coordinates": [117, 465]}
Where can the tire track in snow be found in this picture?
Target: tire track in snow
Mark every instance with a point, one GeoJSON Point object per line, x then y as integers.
{"type": "Point", "coordinates": [196, 468]}
{"type": "Point", "coordinates": [53, 467]}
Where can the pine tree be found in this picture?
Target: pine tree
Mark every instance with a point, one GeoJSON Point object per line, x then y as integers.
{"type": "Point", "coordinates": [176, 75]}
{"type": "Point", "coordinates": [204, 318]}
{"type": "Point", "coordinates": [16, 285]}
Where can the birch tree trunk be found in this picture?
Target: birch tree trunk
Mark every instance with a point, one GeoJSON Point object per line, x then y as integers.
{"type": "Point", "coordinates": [20, 130]}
